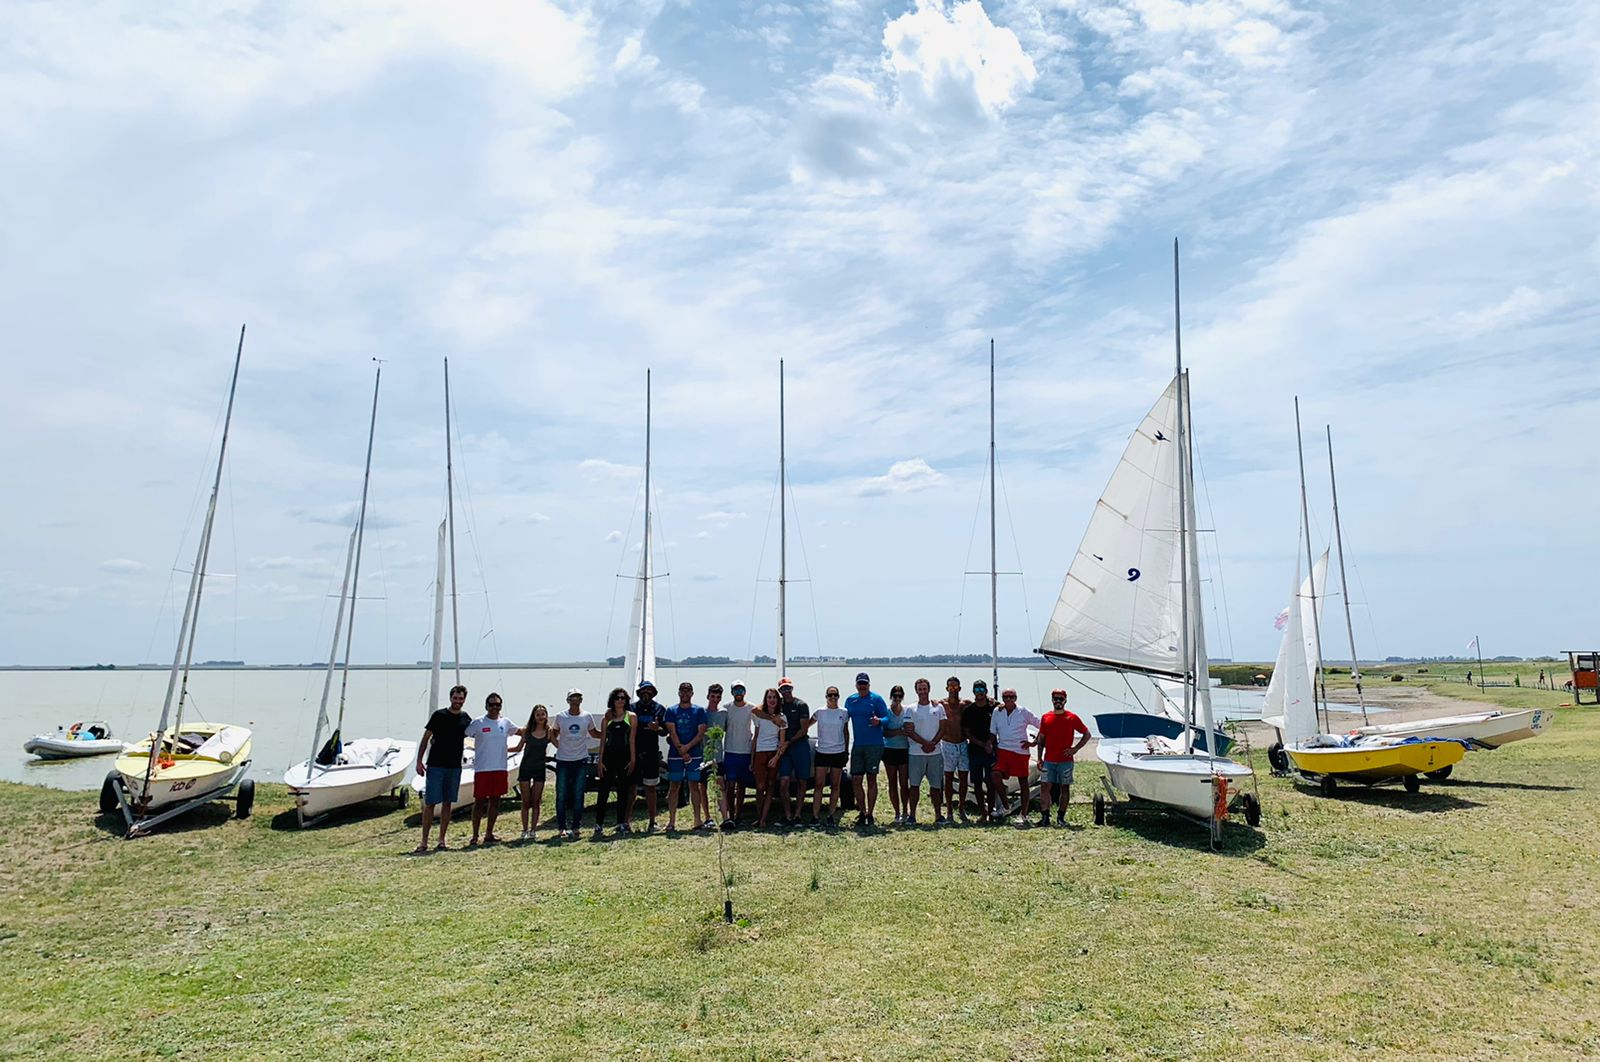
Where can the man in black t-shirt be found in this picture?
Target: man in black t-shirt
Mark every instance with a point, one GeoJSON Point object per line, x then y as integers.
{"type": "Point", "coordinates": [975, 717]}
{"type": "Point", "coordinates": [647, 752]}
{"type": "Point", "coordinates": [444, 740]}
{"type": "Point", "coordinates": [794, 751]}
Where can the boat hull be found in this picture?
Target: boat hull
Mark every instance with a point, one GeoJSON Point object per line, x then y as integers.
{"type": "Point", "coordinates": [51, 748]}
{"type": "Point", "coordinates": [1138, 725]}
{"type": "Point", "coordinates": [373, 768]}
{"type": "Point", "coordinates": [1484, 730]}
{"type": "Point", "coordinates": [1183, 782]}
{"type": "Point", "coordinates": [469, 778]}
{"type": "Point", "coordinates": [187, 778]}
{"type": "Point", "coordinates": [1376, 763]}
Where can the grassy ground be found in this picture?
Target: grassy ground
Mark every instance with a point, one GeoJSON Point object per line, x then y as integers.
{"type": "Point", "coordinates": [1462, 922]}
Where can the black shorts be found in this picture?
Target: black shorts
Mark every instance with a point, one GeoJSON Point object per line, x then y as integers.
{"type": "Point", "coordinates": [532, 770]}
{"type": "Point", "coordinates": [830, 760]}
{"type": "Point", "coordinates": [896, 757]}
{"type": "Point", "coordinates": [646, 765]}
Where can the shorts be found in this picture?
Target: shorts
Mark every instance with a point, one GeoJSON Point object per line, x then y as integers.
{"type": "Point", "coordinates": [684, 771]}
{"type": "Point", "coordinates": [979, 758]}
{"type": "Point", "coordinates": [443, 786]}
{"type": "Point", "coordinates": [830, 761]}
{"type": "Point", "coordinates": [955, 756]}
{"type": "Point", "coordinates": [896, 757]}
{"type": "Point", "coordinates": [647, 768]}
{"type": "Point", "coordinates": [764, 765]}
{"type": "Point", "coordinates": [736, 767]}
{"type": "Point", "coordinates": [1011, 764]}
{"type": "Point", "coordinates": [1058, 773]}
{"type": "Point", "coordinates": [864, 760]}
{"type": "Point", "coordinates": [532, 770]}
{"type": "Point", "coordinates": [926, 766]}
{"type": "Point", "coordinates": [795, 761]}
{"type": "Point", "coordinates": [489, 785]}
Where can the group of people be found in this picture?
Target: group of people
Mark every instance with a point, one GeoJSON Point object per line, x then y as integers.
{"type": "Point", "coordinates": [766, 754]}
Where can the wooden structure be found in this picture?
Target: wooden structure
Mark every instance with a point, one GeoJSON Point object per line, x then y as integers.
{"type": "Point", "coordinates": [1585, 675]}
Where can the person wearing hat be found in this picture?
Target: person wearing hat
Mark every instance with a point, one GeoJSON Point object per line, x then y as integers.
{"type": "Point", "coordinates": [867, 712]}
{"type": "Point", "coordinates": [572, 730]}
{"type": "Point", "coordinates": [650, 732]}
{"type": "Point", "coordinates": [794, 751]}
{"type": "Point", "coordinates": [975, 717]}
{"type": "Point", "coordinates": [1061, 735]}
{"type": "Point", "coordinates": [737, 745]}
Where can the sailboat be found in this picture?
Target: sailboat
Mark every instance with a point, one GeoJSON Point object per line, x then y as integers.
{"type": "Point", "coordinates": [1315, 756]}
{"type": "Point", "coordinates": [342, 773]}
{"type": "Point", "coordinates": [447, 550]}
{"type": "Point", "coordinates": [1307, 602]}
{"type": "Point", "coordinates": [189, 763]}
{"type": "Point", "coordinates": [1131, 603]}
{"type": "Point", "coordinates": [639, 658]}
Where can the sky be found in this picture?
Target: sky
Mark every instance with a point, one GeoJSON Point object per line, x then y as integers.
{"type": "Point", "coordinates": [1390, 211]}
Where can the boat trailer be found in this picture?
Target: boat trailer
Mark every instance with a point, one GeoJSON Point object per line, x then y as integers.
{"type": "Point", "coordinates": [114, 797]}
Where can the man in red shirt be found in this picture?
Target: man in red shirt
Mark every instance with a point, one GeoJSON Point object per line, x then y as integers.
{"type": "Point", "coordinates": [1057, 731]}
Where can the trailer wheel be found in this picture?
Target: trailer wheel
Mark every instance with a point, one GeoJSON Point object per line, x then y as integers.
{"type": "Point", "coordinates": [1277, 758]}
{"type": "Point", "coordinates": [108, 794]}
{"type": "Point", "coordinates": [246, 798]}
{"type": "Point", "coordinates": [1252, 810]}
{"type": "Point", "coordinates": [1327, 785]}
{"type": "Point", "coordinates": [1099, 810]}
{"type": "Point", "coordinates": [1442, 773]}
{"type": "Point", "coordinates": [405, 795]}
{"type": "Point", "coordinates": [1412, 783]}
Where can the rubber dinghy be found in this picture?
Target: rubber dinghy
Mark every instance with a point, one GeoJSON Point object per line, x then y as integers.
{"type": "Point", "coordinates": [74, 742]}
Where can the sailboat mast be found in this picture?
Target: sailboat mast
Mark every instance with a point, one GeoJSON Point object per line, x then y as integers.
{"type": "Point", "coordinates": [645, 666]}
{"type": "Point", "coordinates": [184, 653]}
{"type": "Point", "coordinates": [1202, 688]}
{"type": "Point", "coordinates": [1184, 646]}
{"type": "Point", "coordinates": [333, 652]}
{"type": "Point", "coordinates": [1311, 575]}
{"type": "Point", "coordinates": [1344, 583]}
{"type": "Point", "coordinates": [994, 575]}
{"type": "Point", "coordinates": [783, 535]}
{"type": "Point", "coordinates": [438, 621]}
{"type": "Point", "coordinates": [450, 519]}
{"type": "Point", "coordinates": [361, 533]}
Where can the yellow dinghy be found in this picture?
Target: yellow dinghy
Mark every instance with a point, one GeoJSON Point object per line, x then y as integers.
{"type": "Point", "coordinates": [1376, 763]}
{"type": "Point", "coordinates": [202, 761]}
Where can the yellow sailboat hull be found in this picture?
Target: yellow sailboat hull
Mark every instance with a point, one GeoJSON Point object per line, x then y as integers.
{"type": "Point", "coordinates": [1377, 763]}
{"type": "Point", "coordinates": [181, 776]}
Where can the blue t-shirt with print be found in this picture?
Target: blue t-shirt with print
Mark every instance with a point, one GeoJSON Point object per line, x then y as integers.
{"type": "Point", "coordinates": [687, 722]}
{"type": "Point", "coordinates": [860, 710]}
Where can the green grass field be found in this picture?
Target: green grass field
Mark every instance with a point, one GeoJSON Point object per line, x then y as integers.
{"type": "Point", "coordinates": [1461, 922]}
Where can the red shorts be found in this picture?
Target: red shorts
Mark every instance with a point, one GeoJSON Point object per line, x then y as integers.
{"type": "Point", "coordinates": [489, 784]}
{"type": "Point", "coordinates": [1011, 764]}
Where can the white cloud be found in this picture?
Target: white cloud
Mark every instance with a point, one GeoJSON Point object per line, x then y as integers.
{"type": "Point", "coordinates": [613, 536]}
{"type": "Point", "coordinates": [598, 468]}
{"type": "Point", "coordinates": [955, 66]}
{"type": "Point", "coordinates": [537, 518]}
{"type": "Point", "coordinates": [722, 515]}
{"type": "Point", "coordinates": [1518, 308]}
{"type": "Point", "coordinates": [903, 477]}
{"type": "Point", "coordinates": [121, 566]}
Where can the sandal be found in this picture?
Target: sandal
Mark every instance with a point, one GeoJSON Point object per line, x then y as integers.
{"type": "Point", "coordinates": [420, 849]}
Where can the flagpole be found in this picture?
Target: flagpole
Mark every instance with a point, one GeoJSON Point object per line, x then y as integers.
{"type": "Point", "coordinates": [1479, 643]}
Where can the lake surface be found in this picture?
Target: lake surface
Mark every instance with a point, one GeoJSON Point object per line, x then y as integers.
{"type": "Point", "coordinates": [280, 705]}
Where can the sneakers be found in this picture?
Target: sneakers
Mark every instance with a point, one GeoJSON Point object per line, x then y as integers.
{"type": "Point", "coordinates": [598, 834]}
{"type": "Point", "coordinates": [727, 824]}
{"type": "Point", "coordinates": [624, 830]}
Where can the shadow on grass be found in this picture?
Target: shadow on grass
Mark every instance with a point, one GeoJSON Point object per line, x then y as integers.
{"type": "Point", "coordinates": [1421, 803]}
{"type": "Point", "coordinates": [367, 810]}
{"type": "Point", "coordinates": [1527, 787]}
{"type": "Point", "coordinates": [1162, 828]}
{"type": "Point", "coordinates": [204, 817]}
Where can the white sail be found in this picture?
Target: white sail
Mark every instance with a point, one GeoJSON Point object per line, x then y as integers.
{"type": "Point", "coordinates": [438, 623]}
{"type": "Point", "coordinates": [639, 662]}
{"type": "Point", "coordinates": [1291, 704]}
{"type": "Point", "coordinates": [1122, 603]}
{"type": "Point", "coordinates": [1272, 712]}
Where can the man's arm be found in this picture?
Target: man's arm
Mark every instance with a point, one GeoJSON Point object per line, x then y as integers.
{"type": "Point", "coordinates": [694, 742]}
{"type": "Point", "coordinates": [422, 749]}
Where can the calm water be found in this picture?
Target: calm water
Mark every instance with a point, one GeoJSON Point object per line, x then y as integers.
{"type": "Point", "coordinates": [280, 705]}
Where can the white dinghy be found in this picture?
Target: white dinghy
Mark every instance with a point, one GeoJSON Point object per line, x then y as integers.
{"type": "Point", "coordinates": [340, 774]}
{"type": "Point", "coordinates": [1482, 730]}
{"type": "Point", "coordinates": [90, 738]}
{"type": "Point", "coordinates": [1131, 603]}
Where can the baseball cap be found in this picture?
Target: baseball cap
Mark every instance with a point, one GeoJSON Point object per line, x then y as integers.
{"type": "Point", "coordinates": [1058, 692]}
{"type": "Point", "coordinates": [574, 691]}
{"type": "Point", "coordinates": [863, 677]}
{"type": "Point", "coordinates": [786, 681]}
{"type": "Point", "coordinates": [980, 685]}
{"type": "Point", "coordinates": [737, 684]}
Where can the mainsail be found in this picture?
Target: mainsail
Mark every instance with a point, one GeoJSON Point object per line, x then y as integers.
{"type": "Point", "coordinates": [1303, 604]}
{"type": "Point", "coordinates": [639, 662]}
{"type": "Point", "coordinates": [1121, 605]}
{"type": "Point", "coordinates": [1291, 702]}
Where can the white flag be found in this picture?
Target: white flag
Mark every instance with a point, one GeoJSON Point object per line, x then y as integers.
{"type": "Point", "coordinates": [1474, 643]}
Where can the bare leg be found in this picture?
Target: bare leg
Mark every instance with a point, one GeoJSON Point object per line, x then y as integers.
{"type": "Point", "coordinates": [835, 777]}
{"type": "Point", "coordinates": [872, 794]}
{"type": "Point", "coordinates": [816, 793]}
{"type": "Point", "coordinates": [672, 806]}
{"type": "Point", "coordinates": [427, 825]}
{"type": "Point", "coordinates": [894, 793]}
{"type": "Point", "coordinates": [494, 814]}
{"type": "Point", "coordinates": [444, 820]}
{"type": "Point", "coordinates": [477, 816]}
{"type": "Point", "coordinates": [526, 789]}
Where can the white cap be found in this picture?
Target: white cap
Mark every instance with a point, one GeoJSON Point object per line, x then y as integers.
{"type": "Point", "coordinates": [574, 690]}
{"type": "Point", "coordinates": [737, 684]}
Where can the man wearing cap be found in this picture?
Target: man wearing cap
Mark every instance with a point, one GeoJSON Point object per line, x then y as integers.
{"type": "Point", "coordinates": [647, 764]}
{"type": "Point", "coordinates": [867, 712]}
{"type": "Point", "coordinates": [491, 735]}
{"type": "Point", "coordinates": [794, 751]}
{"type": "Point", "coordinates": [975, 716]}
{"type": "Point", "coordinates": [686, 729]}
{"type": "Point", "coordinates": [1010, 728]}
{"type": "Point", "coordinates": [1061, 735]}
{"type": "Point", "coordinates": [736, 741]}
{"type": "Point", "coordinates": [571, 731]}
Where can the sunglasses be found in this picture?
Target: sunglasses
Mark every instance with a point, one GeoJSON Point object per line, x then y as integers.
{"type": "Point", "coordinates": [494, 704]}
{"type": "Point", "coordinates": [833, 696]}
{"type": "Point", "coordinates": [1009, 697]}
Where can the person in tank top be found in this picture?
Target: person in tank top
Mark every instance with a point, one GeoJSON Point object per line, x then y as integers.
{"type": "Point", "coordinates": [618, 735]}
{"type": "Point", "coordinates": [534, 744]}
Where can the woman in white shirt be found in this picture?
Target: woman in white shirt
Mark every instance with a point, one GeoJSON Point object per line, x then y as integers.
{"type": "Point", "coordinates": [829, 731]}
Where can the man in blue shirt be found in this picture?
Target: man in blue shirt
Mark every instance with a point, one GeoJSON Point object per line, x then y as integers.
{"type": "Point", "coordinates": [867, 713]}
{"type": "Point", "coordinates": [686, 730]}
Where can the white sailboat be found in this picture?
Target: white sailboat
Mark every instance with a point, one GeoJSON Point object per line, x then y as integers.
{"type": "Point", "coordinates": [343, 773]}
{"type": "Point", "coordinates": [189, 763]}
{"type": "Point", "coordinates": [447, 548]}
{"type": "Point", "coordinates": [1306, 603]}
{"type": "Point", "coordinates": [1131, 603]}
